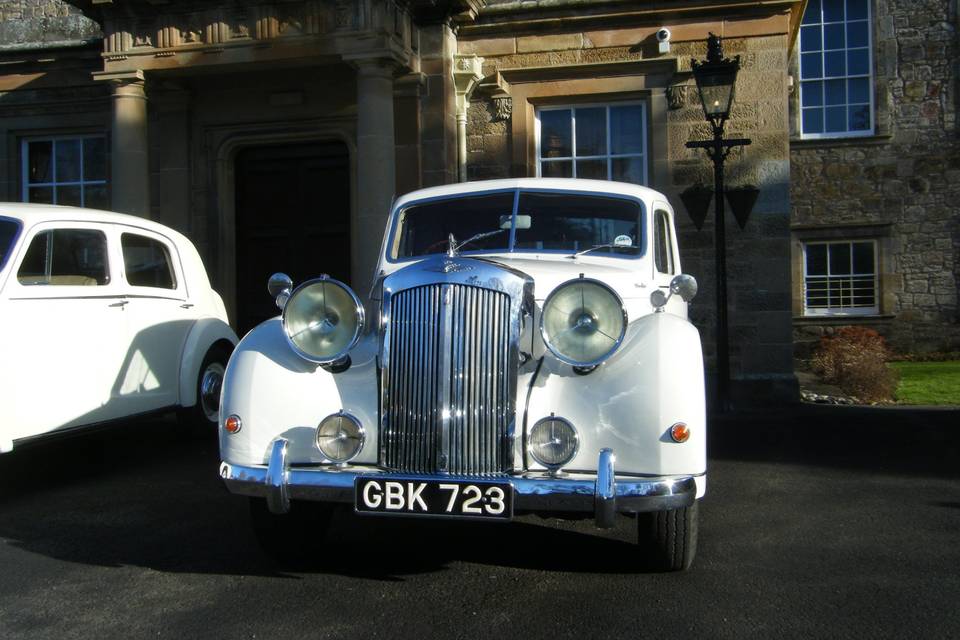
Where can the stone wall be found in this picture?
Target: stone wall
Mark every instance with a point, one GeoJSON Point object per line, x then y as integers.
{"type": "Point", "coordinates": [901, 186]}
{"type": "Point", "coordinates": [38, 23]}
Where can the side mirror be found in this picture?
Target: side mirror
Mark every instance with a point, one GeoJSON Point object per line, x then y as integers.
{"type": "Point", "coordinates": [684, 286]}
{"type": "Point", "coordinates": [280, 286]}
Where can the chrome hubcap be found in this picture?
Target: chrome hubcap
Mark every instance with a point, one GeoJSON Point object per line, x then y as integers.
{"type": "Point", "coordinates": [210, 385]}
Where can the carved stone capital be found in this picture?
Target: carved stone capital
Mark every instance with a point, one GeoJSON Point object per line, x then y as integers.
{"type": "Point", "coordinates": [678, 95]}
{"type": "Point", "coordinates": [502, 108]}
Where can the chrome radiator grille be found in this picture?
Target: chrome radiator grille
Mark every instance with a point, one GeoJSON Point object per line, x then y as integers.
{"type": "Point", "coordinates": [447, 399]}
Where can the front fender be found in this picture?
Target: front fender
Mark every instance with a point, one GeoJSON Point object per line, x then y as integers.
{"type": "Point", "coordinates": [278, 394]}
{"type": "Point", "coordinates": [629, 403]}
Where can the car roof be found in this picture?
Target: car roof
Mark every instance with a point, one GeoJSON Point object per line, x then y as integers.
{"type": "Point", "coordinates": [32, 213]}
{"type": "Point", "coordinates": [606, 187]}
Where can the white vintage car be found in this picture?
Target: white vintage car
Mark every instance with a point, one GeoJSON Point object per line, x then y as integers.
{"type": "Point", "coordinates": [527, 350]}
{"type": "Point", "coordinates": [103, 316]}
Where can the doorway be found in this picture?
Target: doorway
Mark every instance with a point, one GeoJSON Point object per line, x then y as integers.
{"type": "Point", "coordinates": [292, 215]}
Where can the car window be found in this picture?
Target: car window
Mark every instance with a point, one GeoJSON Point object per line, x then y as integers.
{"type": "Point", "coordinates": [58, 257]}
{"type": "Point", "coordinates": [572, 222]}
{"type": "Point", "coordinates": [8, 231]}
{"type": "Point", "coordinates": [663, 248]}
{"type": "Point", "coordinates": [146, 262]}
{"type": "Point", "coordinates": [425, 228]}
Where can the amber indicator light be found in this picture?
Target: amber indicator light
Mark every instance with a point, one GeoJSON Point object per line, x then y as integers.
{"type": "Point", "coordinates": [680, 432]}
{"type": "Point", "coordinates": [232, 424]}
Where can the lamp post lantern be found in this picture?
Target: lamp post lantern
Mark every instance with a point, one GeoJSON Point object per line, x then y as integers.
{"type": "Point", "coordinates": [716, 78]}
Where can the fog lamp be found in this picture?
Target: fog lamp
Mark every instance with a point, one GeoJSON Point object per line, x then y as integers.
{"type": "Point", "coordinates": [553, 442]}
{"type": "Point", "coordinates": [340, 437]}
{"type": "Point", "coordinates": [583, 322]}
{"type": "Point", "coordinates": [680, 432]}
{"type": "Point", "coordinates": [322, 320]}
{"type": "Point", "coordinates": [232, 424]}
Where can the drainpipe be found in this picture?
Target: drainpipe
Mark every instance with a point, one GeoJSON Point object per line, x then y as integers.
{"type": "Point", "coordinates": [467, 73]}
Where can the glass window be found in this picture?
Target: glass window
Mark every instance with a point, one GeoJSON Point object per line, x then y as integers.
{"type": "Point", "coordinates": [75, 257]}
{"type": "Point", "coordinates": [836, 99]}
{"type": "Point", "coordinates": [840, 278]}
{"type": "Point", "coordinates": [663, 249]}
{"type": "Point", "coordinates": [146, 262]}
{"type": "Point", "coordinates": [8, 233]}
{"type": "Point", "coordinates": [68, 170]}
{"type": "Point", "coordinates": [602, 142]}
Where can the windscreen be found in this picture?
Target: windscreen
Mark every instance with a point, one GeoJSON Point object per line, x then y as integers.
{"type": "Point", "coordinates": [8, 231]}
{"type": "Point", "coordinates": [425, 228]}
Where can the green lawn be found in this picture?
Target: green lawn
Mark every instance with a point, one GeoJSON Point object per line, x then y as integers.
{"type": "Point", "coordinates": [928, 382]}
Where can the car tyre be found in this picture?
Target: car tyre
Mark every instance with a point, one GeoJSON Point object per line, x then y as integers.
{"type": "Point", "coordinates": [209, 381]}
{"type": "Point", "coordinates": [668, 539]}
{"type": "Point", "coordinates": [290, 536]}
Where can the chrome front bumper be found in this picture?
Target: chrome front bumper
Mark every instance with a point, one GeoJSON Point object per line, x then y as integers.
{"type": "Point", "coordinates": [604, 494]}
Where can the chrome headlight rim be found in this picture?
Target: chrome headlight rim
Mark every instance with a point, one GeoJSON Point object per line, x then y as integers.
{"type": "Point", "coordinates": [361, 433]}
{"type": "Point", "coordinates": [358, 309]}
{"type": "Point", "coordinates": [554, 467]}
{"type": "Point", "coordinates": [586, 363]}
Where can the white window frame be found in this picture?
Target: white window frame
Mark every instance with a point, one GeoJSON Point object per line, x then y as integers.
{"type": "Point", "coordinates": [609, 157]}
{"type": "Point", "coordinates": [839, 310]}
{"type": "Point", "coordinates": [55, 184]}
{"type": "Point", "coordinates": [870, 76]}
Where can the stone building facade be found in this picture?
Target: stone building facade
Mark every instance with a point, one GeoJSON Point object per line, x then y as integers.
{"type": "Point", "coordinates": [265, 130]}
{"type": "Point", "coordinates": [889, 188]}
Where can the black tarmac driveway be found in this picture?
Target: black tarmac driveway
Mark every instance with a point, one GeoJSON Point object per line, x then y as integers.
{"type": "Point", "coordinates": [819, 522]}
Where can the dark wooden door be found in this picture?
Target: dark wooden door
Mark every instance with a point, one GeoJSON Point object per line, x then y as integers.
{"type": "Point", "coordinates": [293, 215]}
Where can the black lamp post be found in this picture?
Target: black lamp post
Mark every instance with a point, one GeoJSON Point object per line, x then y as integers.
{"type": "Point", "coordinates": [715, 80]}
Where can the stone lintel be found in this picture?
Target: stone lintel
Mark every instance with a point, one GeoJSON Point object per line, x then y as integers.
{"type": "Point", "coordinates": [124, 77]}
{"type": "Point", "coordinates": [506, 77]}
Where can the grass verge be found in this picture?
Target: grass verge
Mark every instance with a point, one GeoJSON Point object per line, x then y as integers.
{"type": "Point", "coordinates": [928, 382]}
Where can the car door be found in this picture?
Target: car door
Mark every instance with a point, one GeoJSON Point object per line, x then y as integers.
{"type": "Point", "coordinates": [63, 329]}
{"type": "Point", "coordinates": [158, 318]}
{"type": "Point", "coordinates": [666, 261]}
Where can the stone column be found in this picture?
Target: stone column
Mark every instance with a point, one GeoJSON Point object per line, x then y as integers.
{"type": "Point", "coordinates": [376, 171]}
{"type": "Point", "coordinates": [468, 71]}
{"type": "Point", "coordinates": [129, 176]}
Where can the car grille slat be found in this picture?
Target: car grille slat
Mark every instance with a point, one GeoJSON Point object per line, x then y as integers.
{"type": "Point", "coordinates": [447, 394]}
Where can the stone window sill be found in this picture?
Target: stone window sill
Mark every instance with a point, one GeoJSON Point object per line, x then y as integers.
{"type": "Point", "coordinates": [838, 320]}
{"type": "Point", "coordinates": [819, 143]}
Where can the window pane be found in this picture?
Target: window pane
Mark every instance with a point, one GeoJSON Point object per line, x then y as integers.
{"type": "Point", "coordinates": [836, 119]}
{"type": "Point", "coordinates": [66, 257]}
{"type": "Point", "coordinates": [591, 131]}
{"type": "Point", "coordinates": [836, 92]}
{"type": "Point", "coordinates": [833, 37]}
{"type": "Point", "coordinates": [863, 257]}
{"type": "Point", "coordinates": [860, 118]}
{"type": "Point", "coordinates": [839, 259]}
{"type": "Point", "coordinates": [816, 259]}
{"type": "Point", "coordinates": [595, 169]}
{"type": "Point", "coordinates": [425, 228]}
{"type": "Point", "coordinates": [561, 169]}
{"type": "Point", "coordinates": [628, 170]}
{"type": "Point", "coordinates": [811, 93]}
{"type": "Point", "coordinates": [576, 222]}
{"type": "Point", "coordinates": [859, 61]}
{"type": "Point", "coordinates": [555, 138]}
{"type": "Point", "coordinates": [33, 268]}
{"type": "Point", "coordinates": [810, 39]}
{"type": "Point", "coordinates": [69, 196]}
{"type": "Point", "coordinates": [41, 195]}
{"type": "Point", "coordinates": [39, 168]}
{"type": "Point", "coordinates": [95, 159]}
{"type": "Point", "coordinates": [68, 160]}
{"type": "Point", "coordinates": [857, 35]}
{"type": "Point", "coordinates": [832, 10]}
{"type": "Point", "coordinates": [95, 196]}
{"type": "Point", "coordinates": [813, 120]}
{"type": "Point", "coordinates": [663, 256]}
{"type": "Point", "coordinates": [856, 9]}
{"type": "Point", "coordinates": [812, 13]}
{"type": "Point", "coordinates": [834, 64]}
{"type": "Point", "coordinates": [146, 262]}
{"type": "Point", "coordinates": [858, 90]}
{"type": "Point", "coordinates": [811, 65]}
{"type": "Point", "coordinates": [626, 129]}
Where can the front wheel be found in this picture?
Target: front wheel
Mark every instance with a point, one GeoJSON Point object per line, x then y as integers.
{"type": "Point", "coordinates": [668, 539]}
{"type": "Point", "coordinates": [209, 383]}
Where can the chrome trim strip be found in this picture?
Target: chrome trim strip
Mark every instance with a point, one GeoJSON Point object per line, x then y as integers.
{"type": "Point", "coordinates": [605, 493]}
{"type": "Point", "coordinates": [276, 480]}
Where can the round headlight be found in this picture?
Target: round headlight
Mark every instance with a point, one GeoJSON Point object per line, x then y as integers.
{"type": "Point", "coordinates": [339, 437]}
{"type": "Point", "coordinates": [553, 442]}
{"type": "Point", "coordinates": [583, 322]}
{"type": "Point", "coordinates": [323, 319]}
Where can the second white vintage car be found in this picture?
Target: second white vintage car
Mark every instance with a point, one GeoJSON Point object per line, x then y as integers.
{"type": "Point", "coordinates": [103, 316]}
{"type": "Point", "coordinates": [526, 350]}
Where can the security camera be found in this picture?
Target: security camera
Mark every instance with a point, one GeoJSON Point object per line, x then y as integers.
{"type": "Point", "coordinates": [663, 38]}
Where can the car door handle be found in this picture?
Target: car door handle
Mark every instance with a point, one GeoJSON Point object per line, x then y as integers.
{"type": "Point", "coordinates": [122, 303]}
{"type": "Point", "coordinates": [186, 305]}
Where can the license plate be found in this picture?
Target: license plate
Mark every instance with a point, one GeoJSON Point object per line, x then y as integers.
{"type": "Point", "coordinates": [453, 499]}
